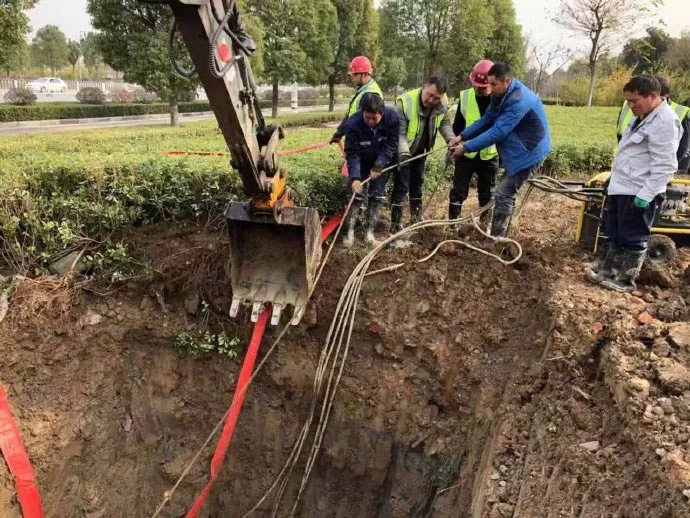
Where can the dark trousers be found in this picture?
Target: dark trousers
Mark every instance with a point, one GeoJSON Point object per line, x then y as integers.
{"type": "Point", "coordinates": [465, 168]}
{"type": "Point", "coordinates": [626, 226]}
{"type": "Point", "coordinates": [409, 179]}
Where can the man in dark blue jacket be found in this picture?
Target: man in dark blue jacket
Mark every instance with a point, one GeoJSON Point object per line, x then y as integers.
{"type": "Point", "coordinates": [516, 123]}
{"type": "Point", "coordinates": [371, 142]}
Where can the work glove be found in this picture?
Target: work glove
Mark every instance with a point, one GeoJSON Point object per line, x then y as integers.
{"type": "Point", "coordinates": [640, 206]}
{"type": "Point", "coordinates": [357, 187]}
{"type": "Point", "coordinates": [334, 139]}
{"type": "Point", "coordinates": [376, 172]}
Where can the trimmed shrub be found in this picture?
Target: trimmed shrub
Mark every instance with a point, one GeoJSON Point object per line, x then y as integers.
{"type": "Point", "coordinates": [20, 97]}
{"type": "Point", "coordinates": [91, 95]}
{"type": "Point", "coordinates": [121, 96]}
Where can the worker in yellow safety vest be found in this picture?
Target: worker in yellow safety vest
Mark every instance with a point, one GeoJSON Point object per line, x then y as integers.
{"type": "Point", "coordinates": [472, 104]}
{"type": "Point", "coordinates": [625, 116]}
{"type": "Point", "coordinates": [360, 71]}
{"type": "Point", "coordinates": [423, 113]}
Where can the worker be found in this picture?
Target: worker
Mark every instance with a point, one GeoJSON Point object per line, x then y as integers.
{"type": "Point", "coordinates": [473, 103]}
{"type": "Point", "coordinates": [625, 116]}
{"type": "Point", "coordinates": [360, 71]}
{"type": "Point", "coordinates": [371, 142]}
{"type": "Point", "coordinates": [516, 124]}
{"type": "Point", "coordinates": [645, 162]}
{"type": "Point", "coordinates": [423, 113]}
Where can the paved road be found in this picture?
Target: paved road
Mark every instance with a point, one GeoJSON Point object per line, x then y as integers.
{"type": "Point", "coordinates": [67, 97]}
{"type": "Point", "coordinates": [134, 123]}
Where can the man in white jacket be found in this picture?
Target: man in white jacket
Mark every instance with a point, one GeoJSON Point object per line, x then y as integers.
{"type": "Point", "coordinates": [645, 162]}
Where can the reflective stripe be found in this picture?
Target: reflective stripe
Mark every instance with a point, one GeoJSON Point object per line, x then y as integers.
{"type": "Point", "coordinates": [370, 87]}
{"type": "Point", "coordinates": [470, 111]}
{"type": "Point", "coordinates": [681, 111]}
{"type": "Point", "coordinates": [410, 106]}
{"type": "Point", "coordinates": [624, 118]}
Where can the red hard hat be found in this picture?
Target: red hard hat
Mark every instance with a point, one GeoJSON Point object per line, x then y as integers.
{"type": "Point", "coordinates": [360, 65]}
{"type": "Point", "coordinates": [479, 76]}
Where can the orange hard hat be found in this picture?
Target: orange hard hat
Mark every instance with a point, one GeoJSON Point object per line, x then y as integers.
{"type": "Point", "coordinates": [360, 65]}
{"type": "Point", "coordinates": [479, 76]}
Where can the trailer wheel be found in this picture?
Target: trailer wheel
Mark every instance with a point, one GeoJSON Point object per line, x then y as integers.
{"type": "Point", "coordinates": [660, 250]}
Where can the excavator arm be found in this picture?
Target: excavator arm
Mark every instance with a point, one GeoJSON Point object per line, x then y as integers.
{"type": "Point", "coordinates": [274, 246]}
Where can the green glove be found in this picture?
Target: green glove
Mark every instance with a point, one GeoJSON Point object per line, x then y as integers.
{"type": "Point", "coordinates": [640, 203]}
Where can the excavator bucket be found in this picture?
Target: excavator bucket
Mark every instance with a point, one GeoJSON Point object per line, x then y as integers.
{"type": "Point", "coordinates": [273, 260]}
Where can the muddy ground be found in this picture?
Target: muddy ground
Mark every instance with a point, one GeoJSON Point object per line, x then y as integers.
{"type": "Point", "coordinates": [472, 389]}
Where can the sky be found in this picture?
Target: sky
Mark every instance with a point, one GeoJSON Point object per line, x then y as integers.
{"type": "Point", "coordinates": [71, 17]}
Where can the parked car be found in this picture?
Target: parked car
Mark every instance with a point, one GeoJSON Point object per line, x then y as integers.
{"type": "Point", "coordinates": [47, 85]}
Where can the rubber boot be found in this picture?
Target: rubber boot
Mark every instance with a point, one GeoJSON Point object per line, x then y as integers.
{"type": "Point", "coordinates": [602, 249]}
{"type": "Point", "coordinates": [631, 262]}
{"type": "Point", "coordinates": [396, 218]}
{"type": "Point", "coordinates": [415, 211]}
{"type": "Point", "coordinates": [351, 223]}
{"type": "Point", "coordinates": [499, 228]}
{"type": "Point", "coordinates": [485, 220]}
{"type": "Point", "coordinates": [454, 210]}
{"type": "Point", "coordinates": [607, 266]}
{"type": "Point", "coordinates": [373, 209]}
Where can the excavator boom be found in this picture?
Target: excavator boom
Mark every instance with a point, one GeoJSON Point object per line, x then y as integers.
{"type": "Point", "coordinates": [274, 246]}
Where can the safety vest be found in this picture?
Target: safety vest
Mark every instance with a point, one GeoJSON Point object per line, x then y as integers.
{"type": "Point", "coordinates": [410, 104]}
{"type": "Point", "coordinates": [626, 115]}
{"type": "Point", "coordinates": [370, 86]}
{"type": "Point", "coordinates": [470, 111]}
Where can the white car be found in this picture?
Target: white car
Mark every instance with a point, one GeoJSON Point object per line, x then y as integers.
{"type": "Point", "coordinates": [47, 85]}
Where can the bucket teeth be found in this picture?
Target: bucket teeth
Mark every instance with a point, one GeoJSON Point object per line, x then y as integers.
{"type": "Point", "coordinates": [235, 307]}
{"type": "Point", "coordinates": [297, 315]}
{"type": "Point", "coordinates": [256, 311]}
{"type": "Point", "coordinates": [277, 310]}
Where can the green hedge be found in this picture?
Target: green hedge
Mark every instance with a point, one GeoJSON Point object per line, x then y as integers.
{"type": "Point", "coordinates": [51, 111]}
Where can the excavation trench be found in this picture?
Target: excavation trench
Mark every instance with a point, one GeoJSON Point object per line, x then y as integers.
{"type": "Point", "coordinates": [445, 400]}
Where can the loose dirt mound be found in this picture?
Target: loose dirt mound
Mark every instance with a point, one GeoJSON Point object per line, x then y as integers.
{"type": "Point", "coordinates": [471, 389]}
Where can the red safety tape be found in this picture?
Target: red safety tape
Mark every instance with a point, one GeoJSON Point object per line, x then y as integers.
{"type": "Point", "coordinates": [331, 224]}
{"type": "Point", "coordinates": [236, 406]}
{"type": "Point", "coordinates": [18, 462]}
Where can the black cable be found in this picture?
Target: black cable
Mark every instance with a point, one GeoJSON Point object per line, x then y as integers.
{"type": "Point", "coordinates": [187, 74]}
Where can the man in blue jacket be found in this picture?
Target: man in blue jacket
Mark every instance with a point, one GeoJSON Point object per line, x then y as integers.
{"type": "Point", "coordinates": [371, 142]}
{"type": "Point", "coordinates": [516, 123]}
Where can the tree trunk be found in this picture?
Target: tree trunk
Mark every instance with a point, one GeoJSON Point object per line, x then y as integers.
{"type": "Point", "coordinates": [174, 112]}
{"type": "Point", "coordinates": [539, 79]}
{"type": "Point", "coordinates": [331, 93]}
{"type": "Point", "coordinates": [592, 74]}
{"type": "Point", "coordinates": [274, 101]}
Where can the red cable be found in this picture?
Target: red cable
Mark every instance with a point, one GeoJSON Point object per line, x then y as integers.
{"type": "Point", "coordinates": [18, 462]}
{"type": "Point", "coordinates": [236, 406]}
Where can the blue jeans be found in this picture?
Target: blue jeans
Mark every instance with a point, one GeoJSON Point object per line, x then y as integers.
{"type": "Point", "coordinates": [508, 188]}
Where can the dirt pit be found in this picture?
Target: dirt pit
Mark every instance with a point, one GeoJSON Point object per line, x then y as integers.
{"type": "Point", "coordinates": [471, 389]}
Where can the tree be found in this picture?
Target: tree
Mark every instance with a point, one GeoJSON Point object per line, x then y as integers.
{"type": "Point", "coordinates": [49, 48]}
{"type": "Point", "coordinates": [678, 56]}
{"type": "Point", "coordinates": [427, 23]}
{"type": "Point", "coordinates": [468, 42]}
{"type": "Point", "coordinates": [646, 55]}
{"type": "Point", "coordinates": [14, 26]}
{"type": "Point", "coordinates": [392, 73]}
{"type": "Point", "coordinates": [298, 41]}
{"type": "Point", "coordinates": [133, 40]}
{"type": "Point", "coordinates": [357, 34]}
{"type": "Point", "coordinates": [92, 54]}
{"type": "Point", "coordinates": [506, 43]}
{"type": "Point", "coordinates": [73, 53]}
{"type": "Point", "coordinates": [601, 21]}
{"type": "Point", "coordinates": [549, 59]}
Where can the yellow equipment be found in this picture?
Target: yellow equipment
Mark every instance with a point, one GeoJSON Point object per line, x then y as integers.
{"type": "Point", "coordinates": [671, 228]}
{"type": "Point", "coordinates": [275, 247]}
